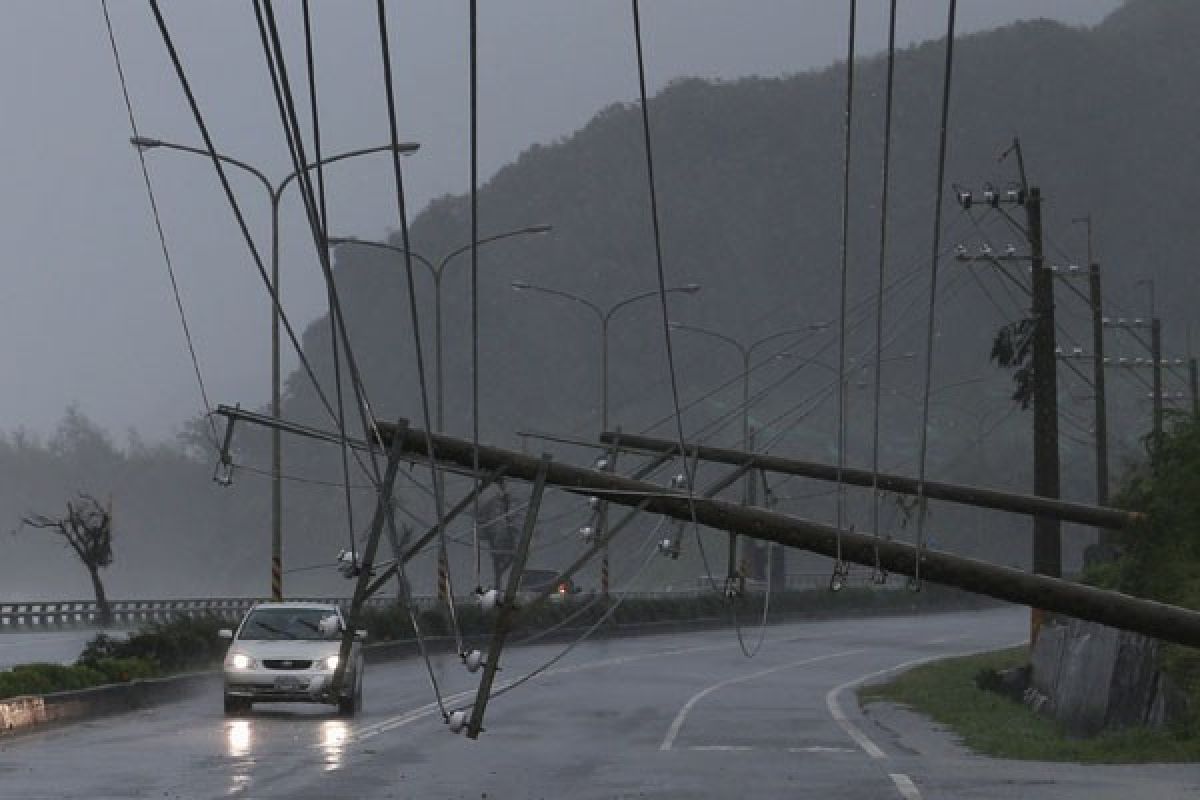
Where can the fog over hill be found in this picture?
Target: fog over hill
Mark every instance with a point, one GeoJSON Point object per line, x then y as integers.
{"type": "Point", "coordinates": [749, 180]}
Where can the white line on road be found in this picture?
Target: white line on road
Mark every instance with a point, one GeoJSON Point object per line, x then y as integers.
{"type": "Point", "coordinates": [722, 748]}
{"type": "Point", "coordinates": [414, 714]}
{"type": "Point", "coordinates": [673, 731]}
{"type": "Point", "coordinates": [908, 789]}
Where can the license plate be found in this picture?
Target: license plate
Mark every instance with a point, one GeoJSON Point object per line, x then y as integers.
{"type": "Point", "coordinates": [287, 682]}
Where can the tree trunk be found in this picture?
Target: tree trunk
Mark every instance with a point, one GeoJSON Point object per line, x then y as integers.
{"type": "Point", "coordinates": [103, 610]}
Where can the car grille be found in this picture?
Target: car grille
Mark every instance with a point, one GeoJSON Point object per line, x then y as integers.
{"type": "Point", "coordinates": [276, 663]}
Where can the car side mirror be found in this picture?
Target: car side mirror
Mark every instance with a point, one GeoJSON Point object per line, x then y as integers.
{"type": "Point", "coordinates": [225, 633]}
{"type": "Point", "coordinates": [360, 635]}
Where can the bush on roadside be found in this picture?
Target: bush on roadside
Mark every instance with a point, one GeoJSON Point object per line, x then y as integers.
{"type": "Point", "coordinates": [48, 678]}
{"type": "Point", "coordinates": [180, 645]}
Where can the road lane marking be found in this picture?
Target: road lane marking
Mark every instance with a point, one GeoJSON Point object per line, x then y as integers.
{"type": "Point", "coordinates": [722, 748]}
{"type": "Point", "coordinates": [677, 723]}
{"type": "Point", "coordinates": [908, 790]}
{"type": "Point", "coordinates": [429, 709]}
{"type": "Point", "coordinates": [903, 783]}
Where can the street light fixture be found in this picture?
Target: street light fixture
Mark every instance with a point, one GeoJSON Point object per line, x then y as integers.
{"type": "Point", "coordinates": [747, 353]}
{"type": "Point", "coordinates": [605, 317]}
{"type": "Point", "coordinates": [436, 270]}
{"type": "Point", "coordinates": [274, 192]}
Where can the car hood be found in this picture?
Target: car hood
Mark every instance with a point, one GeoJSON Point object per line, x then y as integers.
{"type": "Point", "coordinates": [286, 649]}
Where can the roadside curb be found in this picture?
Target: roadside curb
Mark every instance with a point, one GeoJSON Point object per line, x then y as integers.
{"type": "Point", "coordinates": [28, 713]}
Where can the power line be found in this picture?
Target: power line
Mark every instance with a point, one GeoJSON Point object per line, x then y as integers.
{"type": "Point", "coordinates": [162, 239]}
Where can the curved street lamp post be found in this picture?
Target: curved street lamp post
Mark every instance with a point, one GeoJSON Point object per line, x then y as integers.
{"type": "Point", "coordinates": [436, 271]}
{"type": "Point", "coordinates": [275, 193]}
{"type": "Point", "coordinates": [605, 318]}
{"type": "Point", "coordinates": [747, 353]}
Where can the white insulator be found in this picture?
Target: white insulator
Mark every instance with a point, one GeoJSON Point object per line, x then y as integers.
{"type": "Point", "coordinates": [473, 661]}
{"type": "Point", "coordinates": [835, 582]}
{"type": "Point", "coordinates": [594, 502]}
{"type": "Point", "coordinates": [1010, 250]}
{"type": "Point", "coordinates": [587, 533]}
{"type": "Point", "coordinates": [679, 481]}
{"type": "Point", "coordinates": [601, 463]}
{"type": "Point", "coordinates": [490, 600]}
{"type": "Point", "coordinates": [458, 721]}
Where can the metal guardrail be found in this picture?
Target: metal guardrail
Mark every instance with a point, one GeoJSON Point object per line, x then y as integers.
{"type": "Point", "coordinates": [68, 614]}
{"type": "Point", "coordinates": [59, 615]}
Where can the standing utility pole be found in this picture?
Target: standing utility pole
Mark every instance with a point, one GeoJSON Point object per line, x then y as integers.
{"type": "Point", "coordinates": [1097, 304]}
{"type": "Point", "coordinates": [1194, 384]}
{"type": "Point", "coordinates": [1047, 531]}
{"type": "Point", "coordinates": [1156, 355]}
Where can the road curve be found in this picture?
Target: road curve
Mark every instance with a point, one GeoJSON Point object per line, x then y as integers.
{"type": "Point", "coordinates": [671, 716]}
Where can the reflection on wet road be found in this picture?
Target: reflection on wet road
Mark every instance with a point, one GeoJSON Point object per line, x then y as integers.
{"type": "Point", "coordinates": [593, 726]}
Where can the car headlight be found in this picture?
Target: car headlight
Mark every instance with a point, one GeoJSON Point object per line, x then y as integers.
{"type": "Point", "coordinates": [329, 662]}
{"type": "Point", "coordinates": [241, 661]}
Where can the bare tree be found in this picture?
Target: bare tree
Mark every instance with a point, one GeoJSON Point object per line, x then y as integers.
{"type": "Point", "coordinates": [87, 527]}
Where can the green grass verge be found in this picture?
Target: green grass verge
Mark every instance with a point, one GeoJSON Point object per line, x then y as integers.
{"type": "Point", "coordinates": [993, 725]}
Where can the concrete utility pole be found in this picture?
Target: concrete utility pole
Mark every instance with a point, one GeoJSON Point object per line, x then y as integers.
{"type": "Point", "coordinates": [1194, 384]}
{"type": "Point", "coordinates": [977, 496]}
{"type": "Point", "coordinates": [1047, 531]}
{"type": "Point", "coordinates": [1159, 620]}
{"type": "Point", "coordinates": [1156, 356]}
{"type": "Point", "coordinates": [1101, 412]}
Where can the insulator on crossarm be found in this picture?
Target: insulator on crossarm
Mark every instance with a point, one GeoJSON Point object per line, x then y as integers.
{"type": "Point", "coordinates": [491, 600]}
{"type": "Point", "coordinates": [473, 661]}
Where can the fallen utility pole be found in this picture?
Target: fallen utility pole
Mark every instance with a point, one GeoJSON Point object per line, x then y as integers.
{"type": "Point", "coordinates": [1167, 622]}
{"type": "Point", "coordinates": [955, 493]}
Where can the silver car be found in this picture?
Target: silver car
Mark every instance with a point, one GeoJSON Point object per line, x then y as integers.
{"type": "Point", "coordinates": [288, 652]}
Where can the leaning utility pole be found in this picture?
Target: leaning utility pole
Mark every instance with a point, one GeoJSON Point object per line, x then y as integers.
{"type": "Point", "coordinates": [977, 496]}
{"type": "Point", "coordinates": [1151, 618]}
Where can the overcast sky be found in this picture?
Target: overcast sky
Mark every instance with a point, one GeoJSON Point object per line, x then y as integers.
{"type": "Point", "coordinates": [87, 312]}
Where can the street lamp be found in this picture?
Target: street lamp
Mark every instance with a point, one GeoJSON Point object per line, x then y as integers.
{"type": "Point", "coordinates": [747, 353]}
{"type": "Point", "coordinates": [274, 192]}
{"type": "Point", "coordinates": [436, 271]}
{"type": "Point", "coordinates": [605, 317]}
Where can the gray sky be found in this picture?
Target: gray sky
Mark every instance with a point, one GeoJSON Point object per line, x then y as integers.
{"type": "Point", "coordinates": [87, 314]}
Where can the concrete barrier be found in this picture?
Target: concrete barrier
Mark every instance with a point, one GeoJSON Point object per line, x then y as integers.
{"type": "Point", "coordinates": [1093, 678]}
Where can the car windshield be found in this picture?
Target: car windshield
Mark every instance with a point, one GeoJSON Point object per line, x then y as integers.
{"type": "Point", "coordinates": [290, 623]}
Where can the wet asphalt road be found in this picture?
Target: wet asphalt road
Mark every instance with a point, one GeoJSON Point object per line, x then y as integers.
{"type": "Point", "coordinates": [672, 716]}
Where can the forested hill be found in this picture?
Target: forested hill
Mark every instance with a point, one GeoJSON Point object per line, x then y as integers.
{"type": "Point", "coordinates": [749, 180]}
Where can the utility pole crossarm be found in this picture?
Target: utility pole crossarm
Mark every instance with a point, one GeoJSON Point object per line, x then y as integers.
{"type": "Point", "coordinates": [1159, 620]}
{"type": "Point", "coordinates": [955, 493]}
